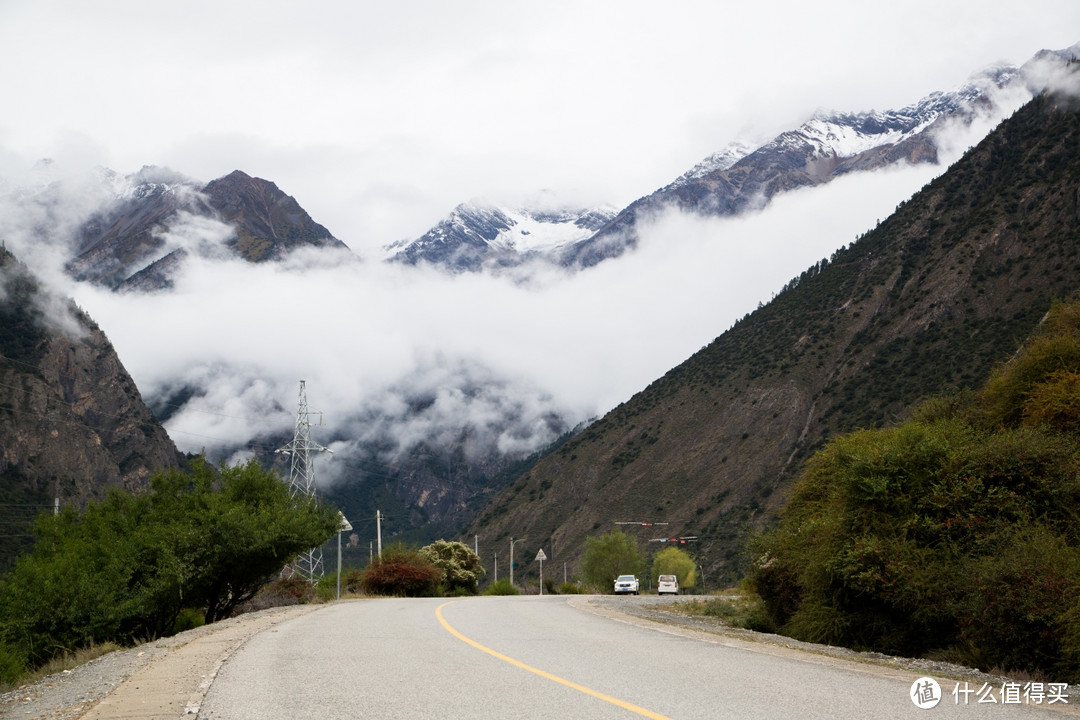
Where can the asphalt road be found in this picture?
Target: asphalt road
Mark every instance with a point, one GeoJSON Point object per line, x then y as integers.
{"type": "Point", "coordinates": [541, 657]}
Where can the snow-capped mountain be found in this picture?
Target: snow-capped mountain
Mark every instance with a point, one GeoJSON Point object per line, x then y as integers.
{"type": "Point", "coordinates": [739, 178]}
{"type": "Point", "coordinates": [480, 234]}
{"type": "Point", "coordinates": [823, 148]}
{"type": "Point", "coordinates": [720, 160]}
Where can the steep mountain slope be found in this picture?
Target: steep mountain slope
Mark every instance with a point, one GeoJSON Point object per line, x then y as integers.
{"type": "Point", "coordinates": [72, 422]}
{"type": "Point", "coordinates": [928, 301]}
{"type": "Point", "coordinates": [479, 235]}
{"type": "Point", "coordinates": [156, 217]}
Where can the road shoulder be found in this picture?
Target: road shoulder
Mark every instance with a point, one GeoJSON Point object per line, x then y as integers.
{"type": "Point", "coordinates": [657, 614]}
{"type": "Point", "coordinates": [166, 678]}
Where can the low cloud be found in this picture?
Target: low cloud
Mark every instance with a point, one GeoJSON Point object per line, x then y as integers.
{"type": "Point", "coordinates": [394, 356]}
{"type": "Point", "coordinates": [399, 356]}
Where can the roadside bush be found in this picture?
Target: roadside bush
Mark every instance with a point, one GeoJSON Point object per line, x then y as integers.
{"type": "Point", "coordinates": [461, 567]}
{"type": "Point", "coordinates": [327, 587]}
{"type": "Point", "coordinates": [502, 587]}
{"type": "Point", "coordinates": [296, 589]}
{"type": "Point", "coordinates": [403, 573]}
{"type": "Point", "coordinates": [953, 535]}
{"type": "Point", "coordinates": [352, 582]}
{"type": "Point", "coordinates": [13, 662]}
{"type": "Point", "coordinates": [743, 610]}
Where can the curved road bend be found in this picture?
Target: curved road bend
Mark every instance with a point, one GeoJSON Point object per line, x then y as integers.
{"type": "Point", "coordinates": [540, 657]}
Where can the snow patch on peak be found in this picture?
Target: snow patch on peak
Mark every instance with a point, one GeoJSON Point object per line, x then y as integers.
{"type": "Point", "coordinates": [530, 230]}
{"type": "Point", "coordinates": [150, 180]}
{"type": "Point", "coordinates": [718, 161]}
{"type": "Point", "coordinates": [846, 135]}
{"type": "Point", "coordinates": [480, 231]}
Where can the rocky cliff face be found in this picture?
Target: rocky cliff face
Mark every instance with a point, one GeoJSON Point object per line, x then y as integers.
{"type": "Point", "coordinates": [72, 422]}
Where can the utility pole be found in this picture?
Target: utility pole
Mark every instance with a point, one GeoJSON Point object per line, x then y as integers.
{"type": "Point", "coordinates": [378, 530]}
{"type": "Point", "coordinates": [308, 565]}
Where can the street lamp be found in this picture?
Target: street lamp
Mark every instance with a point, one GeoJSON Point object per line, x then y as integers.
{"type": "Point", "coordinates": [512, 541]}
{"type": "Point", "coordinates": [344, 526]}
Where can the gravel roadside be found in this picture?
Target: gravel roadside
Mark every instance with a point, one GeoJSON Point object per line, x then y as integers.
{"type": "Point", "coordinates": [168, 678]}
{"type": "Point", "coordinates": [165, 678]}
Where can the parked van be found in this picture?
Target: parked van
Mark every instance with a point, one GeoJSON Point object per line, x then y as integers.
{"type": "Point", "coordinates": [667, 584]}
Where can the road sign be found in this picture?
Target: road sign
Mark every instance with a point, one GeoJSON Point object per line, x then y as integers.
{"type": "Point", "coordinates": [345, 526]}
{"type": "Point", "coordinates": [541, 556]}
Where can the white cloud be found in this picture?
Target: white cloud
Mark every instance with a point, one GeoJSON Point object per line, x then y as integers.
{"type": "Point", "coordinates": [406, 355]}
{"type": "Point", "coordinates": [379, 118]}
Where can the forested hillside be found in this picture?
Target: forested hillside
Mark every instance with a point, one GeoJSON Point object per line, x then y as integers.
{"type": "Point", "coordinates": [929, 301]}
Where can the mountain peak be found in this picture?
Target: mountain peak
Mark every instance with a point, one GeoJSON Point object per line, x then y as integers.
{"type": "Point", "coordinates": [131, 240]}
{"type": "Point", "coordinates": [481, 234]}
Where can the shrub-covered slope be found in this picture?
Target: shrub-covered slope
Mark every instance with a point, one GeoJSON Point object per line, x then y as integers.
{"type": "Point", "coordinates": [951, 534]}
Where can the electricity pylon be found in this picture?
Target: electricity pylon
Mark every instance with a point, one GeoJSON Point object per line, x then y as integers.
{"type": "Point", "coordinates": [308, 565]}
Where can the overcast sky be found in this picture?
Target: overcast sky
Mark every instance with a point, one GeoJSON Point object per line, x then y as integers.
{"type": "Point", "coordinates": [379, 118]}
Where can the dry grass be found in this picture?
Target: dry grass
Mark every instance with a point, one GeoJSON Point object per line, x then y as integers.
{"type": "Point", "coordinates": [733, 607]}
{"type": "Point", "coordinates": [67, 661]}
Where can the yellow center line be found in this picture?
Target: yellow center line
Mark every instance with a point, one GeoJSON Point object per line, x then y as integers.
{"type": "Point", "coordinates": [554, 678]}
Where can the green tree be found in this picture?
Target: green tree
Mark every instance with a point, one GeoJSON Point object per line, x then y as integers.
{"type": "Point", "coordinates": [608, 556]}
{"type": "Point", "coordinates": [675, 561]}
{"type": "Point", "coordinates": [243, 526]}
{"type": "Point", "coordinates": [125, 567]}
{"type": "Point", "coordinates": [460, 565]}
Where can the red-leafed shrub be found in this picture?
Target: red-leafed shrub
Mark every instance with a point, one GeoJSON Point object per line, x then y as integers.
{"type": "Point", "coordinates": [404, 573]}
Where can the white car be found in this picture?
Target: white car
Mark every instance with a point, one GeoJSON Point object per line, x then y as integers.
{"type": "Point", "coordinates": [667, 584]}
{"type": "Point", "coordinates": [626, 584]}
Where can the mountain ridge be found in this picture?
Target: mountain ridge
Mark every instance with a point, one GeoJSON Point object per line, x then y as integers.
{"type": "Point", "coordinates": [741, 177]}
{"type": "Point", "coordinates": [929, 300]}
